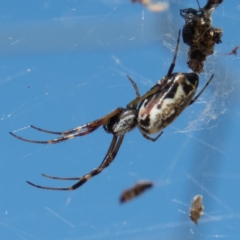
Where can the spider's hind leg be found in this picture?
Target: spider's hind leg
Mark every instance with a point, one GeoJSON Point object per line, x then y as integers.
{"type": "Point", "coordinates": [152, 139]}
{"type": "Point", "coordinates": [108, 159]}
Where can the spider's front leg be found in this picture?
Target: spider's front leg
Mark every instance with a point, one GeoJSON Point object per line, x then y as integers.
{"type": "Point", "coordinates": [117, 125]}
{"type": "Point", "coordinates": [76, 132]}
{"type": "Point", "coordinates": [161, 83]}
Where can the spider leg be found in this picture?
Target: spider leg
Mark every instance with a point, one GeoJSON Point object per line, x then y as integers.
{"type": "Point", "coordinates": [134, 86]}
{"type": "Point", "coordinates": [52, 132]}
{"type": "Point", "coordinates": [100, 122]}
{"type": "Point", "coordinates": [111, 147]}
{"type": "Point", "coordinates": [76, 132]}
{"type": "Point", "coordinates": [109, 157]}
{"type": "Point", "coordinates": [152, 139]}
{"type": "Point", "coordinates": [137, 100]}
{"type": "Point", "coordinates": [174, 57]}
{"type": "Point", "coordinates": [197, 96]}
{"type": "Point", "coordinates": [57, 140]}
{"type": "Point", "coordinates": [60, 178]}
{"type": "Point", "coordinates": [80, 128]}
{"type": "Point", "coordinates": [198, 4]}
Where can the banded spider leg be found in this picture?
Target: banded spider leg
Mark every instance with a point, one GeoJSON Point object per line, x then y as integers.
{"type": "Point", "coordinates": [75, 132]}
{"type": "Point", "coordinates": [109, 157]}
{"type": "Point", "coordinates": [118, 122]}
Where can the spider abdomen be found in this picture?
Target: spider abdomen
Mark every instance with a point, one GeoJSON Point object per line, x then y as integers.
{"type": "Point", "coordinates": [160, 109]}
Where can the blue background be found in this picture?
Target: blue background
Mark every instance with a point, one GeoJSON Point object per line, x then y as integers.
{"type": "Point", "coordinates": [63, 64]}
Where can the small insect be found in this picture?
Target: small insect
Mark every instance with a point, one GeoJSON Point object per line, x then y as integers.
{"type": "Point", "coordinates": [154, 6]}
{"type": "Point", "coordinates": [199, 34]}
{"type": "Point", "coordinates": [135, 190]}
{"type": "Point", "coordinates": [234, 51]}
{"type": "Point", "coordinates": [151, 113]}
{"type": "Point", "coordinates": [196, 210]}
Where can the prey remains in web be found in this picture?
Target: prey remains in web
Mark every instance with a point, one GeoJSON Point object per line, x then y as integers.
{"type": "Point", "coordinates": [199, 34]}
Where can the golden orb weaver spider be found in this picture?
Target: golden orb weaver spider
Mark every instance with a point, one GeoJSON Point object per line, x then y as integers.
{"type": "Point", "coordinates": [151, 113]}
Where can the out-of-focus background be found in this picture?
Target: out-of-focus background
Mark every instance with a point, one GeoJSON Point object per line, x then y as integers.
{"type": "Point", "coordinates": [63, 64]}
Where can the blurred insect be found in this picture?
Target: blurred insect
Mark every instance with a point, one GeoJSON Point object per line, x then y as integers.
{"type": "Point", "coordinates": [199, 34]}
{"type": "Point", "coordinates": [234, 51]}
{"type": "Point", "coordinates": [151, 113]}
{"type": "Point", "coordinates": [135, 190]}
{"type": "Point", "coordinates": [154, 6]}
{"type": "Point", "coordinates": [196, 210]}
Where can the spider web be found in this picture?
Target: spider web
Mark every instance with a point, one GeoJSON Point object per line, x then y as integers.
{"type": "Point", "coordinates": [64, 65]}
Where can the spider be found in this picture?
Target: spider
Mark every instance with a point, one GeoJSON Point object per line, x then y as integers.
{"type": "Point", "coordinates": [199, 34]}
{"type": "Point", "coordinates": [151, 113]}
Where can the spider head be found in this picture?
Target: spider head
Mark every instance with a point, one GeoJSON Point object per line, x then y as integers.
{"type": "Point", "coordinates": [122, 123]}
